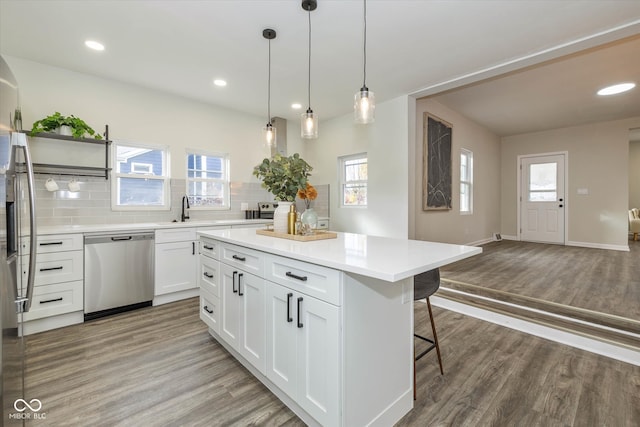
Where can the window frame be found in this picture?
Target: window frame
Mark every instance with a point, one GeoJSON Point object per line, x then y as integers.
{"type": "Point", "coordinates": [466, 181]}
{"type": "Point", "coordinates": [343, 179]}
{"type": "Point", "coordinates": [165, 178]}
{"type": "Point", "coordinates": [226, 180]}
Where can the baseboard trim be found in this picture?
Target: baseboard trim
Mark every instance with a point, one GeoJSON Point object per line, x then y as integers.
{"type": "Point", "coordinates": [624, 248]}
{"type": "Point", "coordinates": [480, 242]}
{"type": "Point", "coordinates": [584, 343]}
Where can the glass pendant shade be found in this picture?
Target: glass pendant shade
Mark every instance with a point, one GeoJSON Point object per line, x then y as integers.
{"type": "Point", "coordinates": [309, 125]}
{"type": "Point", "coordinates": [364, 106]}
{"type": "Point", "coordinates": [269, 135]}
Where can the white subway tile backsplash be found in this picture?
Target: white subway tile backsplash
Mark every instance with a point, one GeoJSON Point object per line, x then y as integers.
{"type": "Point", "coordinates": [92, 204]}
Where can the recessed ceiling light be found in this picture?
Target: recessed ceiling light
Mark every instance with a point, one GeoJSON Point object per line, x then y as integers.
{"type": "Point", "coordinates": [219, 82]}
{"type": "Point", "coordinates": [296, 106]}
{"type": "Point", "coordinates": [615, 89]}
{"type": "Point", "coordinates": [92, 44]}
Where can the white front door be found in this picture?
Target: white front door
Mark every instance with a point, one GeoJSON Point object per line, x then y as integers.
{"type": "Point", "coordinates": [542, 205]}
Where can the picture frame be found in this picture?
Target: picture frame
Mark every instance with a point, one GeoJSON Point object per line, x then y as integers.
{"type": "Point", "coordinates": [436, 164]}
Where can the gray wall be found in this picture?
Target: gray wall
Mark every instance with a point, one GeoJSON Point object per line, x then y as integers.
{"type": "Point", "coordinates": [450, 226]}
{"type": "Point", "coordinates": [598, 161]}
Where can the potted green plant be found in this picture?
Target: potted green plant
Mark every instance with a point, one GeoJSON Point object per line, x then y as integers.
{"type": "Point", "coordinates": [283, 177]}
{"type": "Point", "coordinates": [54, 122]}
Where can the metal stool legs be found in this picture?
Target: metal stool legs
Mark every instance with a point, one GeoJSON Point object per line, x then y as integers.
{"type": "Point", "coordinates": [434, 344]}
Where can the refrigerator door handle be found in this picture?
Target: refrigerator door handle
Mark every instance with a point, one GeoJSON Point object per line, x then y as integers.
{"type": "Point", "coordinates": [20, 140]}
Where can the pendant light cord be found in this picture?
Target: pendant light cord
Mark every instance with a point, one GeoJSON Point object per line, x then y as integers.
{"type": "Point", "coordinates": [269, 87]}
{"type": "Point", "coordinates": [309, 85]}
{"type": "Point", "coordinates": [364, 78]}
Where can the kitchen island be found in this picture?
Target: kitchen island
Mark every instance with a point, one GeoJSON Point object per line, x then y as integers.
{"type": "Point", "coordinates": [326, 325]}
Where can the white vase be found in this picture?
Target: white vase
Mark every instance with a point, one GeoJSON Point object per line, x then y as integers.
{"type": "Point", "coordinates": [280, 216]}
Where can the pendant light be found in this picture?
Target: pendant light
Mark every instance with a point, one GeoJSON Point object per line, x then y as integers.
{"type": "Point", "coordinates": [309, 120]}
{"type": "Point", "coordinates": [364, 105]}
{"type": "Point", "coordinates": [269, 132]}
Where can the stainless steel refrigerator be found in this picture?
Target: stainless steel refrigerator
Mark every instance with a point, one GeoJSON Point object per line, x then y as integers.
{"type": "Point", "coordinates": [17, 218]}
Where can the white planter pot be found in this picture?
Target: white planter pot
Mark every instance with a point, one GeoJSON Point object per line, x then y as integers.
{"type": "Point", "coordinates": [280, 217]}
{"type": "Point", "coordinates": [65, 130]}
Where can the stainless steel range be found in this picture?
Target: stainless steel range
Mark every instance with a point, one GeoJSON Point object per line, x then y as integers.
{"type": "Point", "coordinates": [266, 209]}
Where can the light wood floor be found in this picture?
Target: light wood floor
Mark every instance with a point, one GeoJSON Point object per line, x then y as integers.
{"type": "Point", "coordinates": [594, 279]}
{"type": "Point", "coordinates": [159, 367]}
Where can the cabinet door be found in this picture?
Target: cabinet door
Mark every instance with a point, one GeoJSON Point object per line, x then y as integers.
{"type": "Point", "coordinates": [230, 305]}
{"type": "Point", "coordinates": [175, 267]}
{"type": "Point", "coordinates": [318, 359]}
{"type": "Point", "coordinates": [252, 296]}
{"type": "Point", "coordinates": [281, 338]}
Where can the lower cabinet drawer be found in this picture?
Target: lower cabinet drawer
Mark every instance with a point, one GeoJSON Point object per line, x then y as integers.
{"type": "Point", "coordinates": [210, 310]}
{"type": "Point", "coordinates": [59, 298]}
{"type": "Point", "coordinates": [209, 278]}
{"type": "Point", "coordinates": [314, 280]}
{"type": "Point", "coordinates": [56, 267]}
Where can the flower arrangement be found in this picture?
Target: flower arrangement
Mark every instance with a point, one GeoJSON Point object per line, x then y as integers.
{"type": "Point", "coordinates": [308, 194]}
{"type": "Point", "coordinates": [283, 176]}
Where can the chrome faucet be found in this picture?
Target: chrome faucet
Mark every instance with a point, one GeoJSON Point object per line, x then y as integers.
{"type": "Point", "coordinates": [185, 213]}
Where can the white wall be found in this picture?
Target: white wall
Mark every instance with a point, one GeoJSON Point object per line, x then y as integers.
{"type": "Point", "coordinates": [137, 114]}
{"type": "Point", "coordinates": [598, 162]}
{"type": "Point", "coordinates": [449, 225]}
{"type": "Point", "coordinates": [634, 174]}
{"type": "Point", "coordinates": [386, 145]}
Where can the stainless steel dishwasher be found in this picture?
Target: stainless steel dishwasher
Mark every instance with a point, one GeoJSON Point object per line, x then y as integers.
{"type": "Point", "coordinates": [118, 273]}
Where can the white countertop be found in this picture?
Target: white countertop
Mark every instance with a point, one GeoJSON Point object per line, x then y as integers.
{"type": "Point", "coordinates": [144, 226]}
{"type": "Point", "coordinates": [378, 257]}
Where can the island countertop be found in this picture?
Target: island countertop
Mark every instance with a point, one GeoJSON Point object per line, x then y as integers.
{"type": "Point", "coordinates": [384, 258]}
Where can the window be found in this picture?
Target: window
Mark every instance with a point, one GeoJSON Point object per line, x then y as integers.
{"type": "Point", "coordinates": [208, 180]}
{"type": "Point", "coordinates": [141, 177]}
{"type": "Point", "coordinates": [543, 182]}
{"type": "Point", "coordinates": [353, 179]}
{"type": "Point", "coordinates": [466, 181]}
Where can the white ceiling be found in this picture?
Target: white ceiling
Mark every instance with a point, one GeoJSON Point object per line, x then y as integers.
{"type": "Point", "coordinates": [414, 47]}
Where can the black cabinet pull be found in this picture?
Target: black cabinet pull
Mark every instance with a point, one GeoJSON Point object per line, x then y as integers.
{"type": "Point", "coordinates": [235, 273]}
{"type": "Point", "coordinates": [210, 276]}
{"type": "Point", "coordinates": [290, 274]}
{"type": "Point", "coordinates": [300, 325]}
{"type": "Point", "coordinates": [289, 318]}
{"type": "Point", "coordinates": [239, 258]}
{"type": "Point", "coordinates": [239, 281]}
{"type": "Point", "coordinates": [209, 248]}
{"type": "Point", "coordinates": [208, 310]}
{"type": "Point", "coordinates": [51, 300]}
{"type": "Point", "coordinates": [51, 268]}
{"type": "Point", "coordinates": [193, 248]}
{"type": "Point", "coordinates": [50, 243]}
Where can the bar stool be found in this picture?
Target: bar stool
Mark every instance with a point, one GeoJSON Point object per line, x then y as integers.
{"type": "Point", "coordinates": [425, 285]}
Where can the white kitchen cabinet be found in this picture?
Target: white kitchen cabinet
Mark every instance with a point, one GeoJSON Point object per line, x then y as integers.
{"type": "Point", "coordinates": [323, 223]}
{"type": "Point", "coordinates": [242, 313]}
{"type": "Point", "coordinates": [58, 293]}
{"type": "Point", "coordinates": [303, 340]}
{"type": "Point", "coordinates": [176, 260]}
